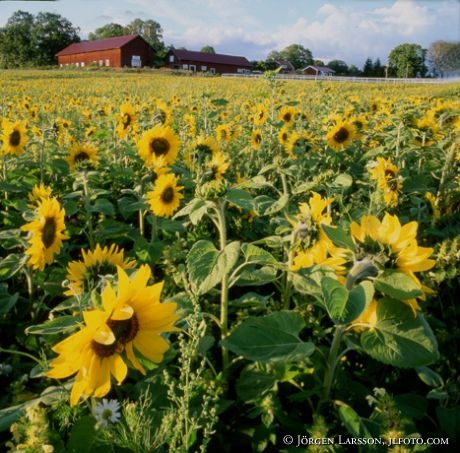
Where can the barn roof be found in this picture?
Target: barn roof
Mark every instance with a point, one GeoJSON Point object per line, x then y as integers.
{"type": "Point", "coordinates": [320, 68]}
{"type": "Point", "coordinates": [211, 58]}
{"type": "Point", "coordinates": [97, 45]}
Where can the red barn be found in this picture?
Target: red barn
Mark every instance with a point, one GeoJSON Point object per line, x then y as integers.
{"type": "Point", "coordinates": [206, 62]}
{"type": "Point", "coordinates": [130, 51]}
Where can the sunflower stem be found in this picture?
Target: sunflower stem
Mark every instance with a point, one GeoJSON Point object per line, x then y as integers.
{"type": "Point", "coordinates": [222, 227]}
{"type": "Point", "coordinates": [87, 201]}
{"type": "Point", "coordinates": [333, 359]}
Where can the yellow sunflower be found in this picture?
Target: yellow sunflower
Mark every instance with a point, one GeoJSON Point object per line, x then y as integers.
{"type": "Point", "coordinates": [138, 316]}
{"type": "Point", "coordinates": [218, 166]}
{"type": "Point", "coordinates": [260, 114]}
{"type": "Point", "coordinates": [46, 233]}
{"type": "Point", "coordinates": [287, 114]}
{"type": "Point", "coordinates": [93, 353]}
{"type": "Point", "coordinates": [283, 136]}
{"type": "Point", "coordinates": [205, 147]}
{"type": "Point", "coordinates": [88, 273]}
{"type": "Point", "coordinates": [223, 133]}
{"type": "Point", "coordinates": [39, 192]}
{"type": "Point", "coordinates": [388, 181]}
{"type": "Point", "coordinates": [391, 243]}
{"type": "Point", "coordinates": [82, 156]}
{"type": "Point", "coordinates": [256, 139]}
{"type": "Point", "coordinates": [299, 143]}
{"type": "Point", "coordinates": [164, 199]}
{"type": "Point", "coordinates": [14, 137]}
{"type": "Point", "coordinates": [340, 135]}
{"type": "Point", "coordinates": [126, 120]}
{"type": "Point", "coordinates": [159, 144]}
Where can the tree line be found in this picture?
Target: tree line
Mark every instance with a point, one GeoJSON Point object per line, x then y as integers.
{"type": "Point", "coordinates": [32, 41]}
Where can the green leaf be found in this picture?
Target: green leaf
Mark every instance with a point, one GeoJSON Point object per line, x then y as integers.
{"type": "Point", "coordinates": [206, 265]}
{"type": "Point", "coordinates": [338, 236]}
{"type": "Point", "coordinates": [400, 338]}
{"type": "Point", "coordinates": [11, 264]}
{"type": "Point", "coordinates": [397, 285]}
{"type": "Point", "coordinates": [56, 325]}
{"type": "Point", "coordinates": [240, 198]}
{"type": "Point", "coordinates": [429, 377]}
{"type": "Point", "coordinates": [335, 297]}
{"type": "Point", "coordinates": [342, 181]}
{"type": "Point", "coordinates": [103, 206]}
{"type": "Point", "coordinates": [253, 384]}
{"type": "Point", "coordinates": [275, 336]}
{"type": "Point", "coordinates": [197, 210]}
{"type": "Point", "coordinates": [251, 276]}
{"type": "Point", "coordinates": [258, 255]}
{"type": "Point", "coordinates": [359, 299]}
{"type": "Point", "coordinates": [352, 421]}
{"type": "Point", "coordinates": [82, 435]}
{"type": "Point", "coordinates": [7, 302]}
{"type": "Point", "coordinates": [264, 205]}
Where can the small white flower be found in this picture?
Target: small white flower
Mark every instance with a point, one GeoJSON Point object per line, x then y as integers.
{"type": "Point", "coordinates": [107, 411]}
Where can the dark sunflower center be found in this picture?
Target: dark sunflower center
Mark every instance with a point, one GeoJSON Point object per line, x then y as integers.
{"type": "Point", "coordinates": [92, 273]}
{"type": "Point", "coordinates": [126, 330]}
{"type": "Point", "coordinates": [159, 146]}
{"type": "Point", "coordinates": [167, 196]}
{"type": "Point", "coordinates": [258, 138]}
{"type": "Point", "coordinates": [102, 350]}
{"type": "Point", "coordinates": [287, 117]}
{"type": "Point", "coordinates": [49, 232]}
{"type": "Point", "coordinates": [341, 136]}
{"type": "Point", "coordinates": [126, 120]}
{"type": "Point", "coordinates": [15, 138]}
{"type": "Point", "coordinates": [81, 156]}
{"type": "Point", "coordinates": [203, 149]}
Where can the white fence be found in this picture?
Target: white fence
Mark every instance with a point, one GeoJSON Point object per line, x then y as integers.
{"type": "Point", "coordinates": [349, 78]}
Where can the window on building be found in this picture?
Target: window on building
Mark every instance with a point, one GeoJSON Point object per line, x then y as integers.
{"type": "Point", "coordinates": [212, 70]}
{"type": "Point", "coordinates": [107, 62]}
{"type": "Point", "coordinates": [192, 67]}
{"type": "Point", "coordinates": [204, 68]}
{"type": "Point", "coordinates": [101, 62]}
{"type": "Point", "coordinates": [171, 58]}
{"type": "Point", "coordinates": [82, 64]}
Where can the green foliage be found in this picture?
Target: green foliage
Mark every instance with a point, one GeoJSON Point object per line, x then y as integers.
{"type": "Point", "coordinates": [407, 60]}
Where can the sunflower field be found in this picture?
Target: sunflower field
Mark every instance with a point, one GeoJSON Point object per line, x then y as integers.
{"type": "Point", "coordinates": [211, 264]}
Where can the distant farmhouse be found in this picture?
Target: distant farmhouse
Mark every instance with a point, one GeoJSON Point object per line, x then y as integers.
{"type": "Point", "coordinates": [206, 62]}
{"type": "Point", "coordinates": [130, 51]}
{"type": "Point", "coordinates": [318, 71]}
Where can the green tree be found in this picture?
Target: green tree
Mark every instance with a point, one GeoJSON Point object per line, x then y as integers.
{"type": "Point", "coordinates": [407, 60]}
{"type": "Point", "coordinates": [379, 70]}
{"type": "Point", "coordinates": [296, 54]}
{"type": "Point", "coordinates": [152, 32]}
{"type": "Point", "coordinates": [107, 31]}
{"type": "Point", "coordinates": [26, 40]}
{"type": "Point", "coordinates": [208, 49]}
{"type": "Point", "coordinates": [339, 66]}
{"type": "Point", "coordinates": [368, 68]}
{"type": "Point", "coordinates": [444, 56]}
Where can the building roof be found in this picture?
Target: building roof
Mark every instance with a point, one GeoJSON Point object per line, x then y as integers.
{"type": "Point", "coordinates": [99, 44]}
{"type": "Point", "coordinates": [320, 68]}
{"type": "Point", "coordinates": [211, 58]}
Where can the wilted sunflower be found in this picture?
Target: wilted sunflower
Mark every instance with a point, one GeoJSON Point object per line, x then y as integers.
{"type": "Point", "coordinates": [388, 181]}
{"type": "Point", "coordinates": [388, 243]}
{"type": "Point", "coordinates": [164, 199]}
{"type": "Point", "coordinates": [46, 233]}
{"type": "Point", "coordinates": [126, 120]}
{"type": "Point", "coordinates": [93, 353]}
{"type": "Point", "coordinates": [82, 156]}
{"type": "Point", "coordinates": [340, 135]}
{"type": "Point", "coordinates": [14, 137]}
{"type": "Point", "coordinates": [159, 144]}
{"type": "Point", "coordinates": [86, 274]}
{"type": "Point", "coordinates": [138, 316]}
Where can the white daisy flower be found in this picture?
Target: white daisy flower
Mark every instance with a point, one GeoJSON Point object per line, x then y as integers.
{"type": "Point", "coordinates": [107, 411]}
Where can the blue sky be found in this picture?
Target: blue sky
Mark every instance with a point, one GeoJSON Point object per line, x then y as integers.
{"type": "Point", "coordinates": [349, 30]}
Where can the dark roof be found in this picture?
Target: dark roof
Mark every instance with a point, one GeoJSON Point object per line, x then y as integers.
{"type": "Point", "coordinates": [99, 44]}
{"type": "Point", "coordinates": [320, 68]}
{"type": "Point", "coordinates": [212, 58]}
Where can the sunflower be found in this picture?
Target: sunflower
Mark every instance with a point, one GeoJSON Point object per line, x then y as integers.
{"type": "Point", "coordinates": [388, 181]}
{"type": "Point", "coordinates": [138, 317]}
{"type": "Point", "coordinates": [86, 274]}
{"type": "Point", "coordinates": [14, 137]}
{"type": "Point", "coordinates": [45, 233]}
{"type": "Point", "coordinates": [218, 165]}
{"type": "Point", "coordinates": [163, 112]}
{"type": "Point", "coordinates": [223, 133]}
{"type": "Point", "coordinates": [159, 144]}
{"type": "Point", "coordinates": [82, 156]}
{"type": "Point", "coordinates": [388, 243]}
{"type": "Point", "coordinates": [126, 120]}
{"type": "Point", "coordinates": [340, 135]}
{"type": "Point", "coordinates": [164, 199]}
{"type": "Point", "coordinates": [260, 114]}
{"type": "Point", "coordinates": [283, 136]}
{"type": "Point", "coordinates": [299, 143]}
{"type": "Point", "coordinates": [205, 147]}
{"type": "Point", "coordinates": [93, 353]}
{"type": "Point", "coordinates": [256, 139]}
{"type": "Point", "coordinates": [39, 192]}
{"type": "Point", "coordinates": [287, 114]}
